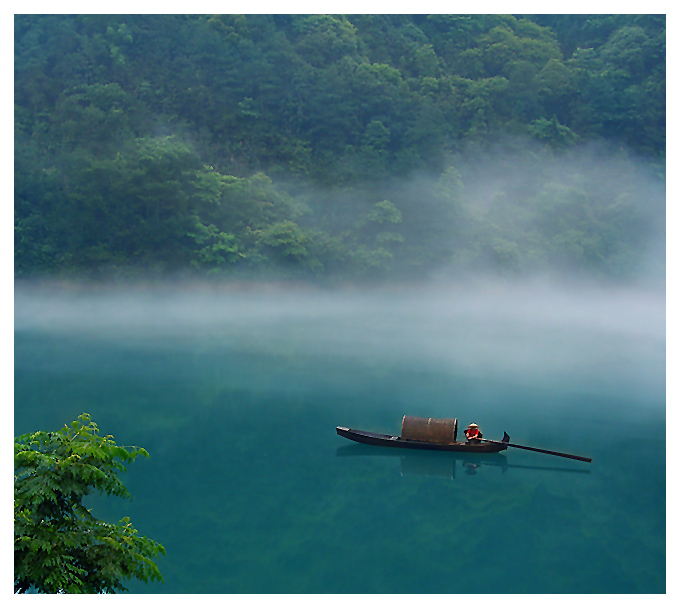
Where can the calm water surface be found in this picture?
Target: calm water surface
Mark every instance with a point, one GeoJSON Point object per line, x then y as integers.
{"type": "Point", "coordinates": [236, 393]}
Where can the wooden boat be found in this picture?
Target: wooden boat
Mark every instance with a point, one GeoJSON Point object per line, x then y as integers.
{"type": "Point", "coordinates": [440, 434]}
{"type": "Point", "coordinates": [400, 442]}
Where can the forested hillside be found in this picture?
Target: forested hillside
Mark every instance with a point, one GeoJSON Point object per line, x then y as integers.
{"type": "Point", "coordinates": [340, 147]}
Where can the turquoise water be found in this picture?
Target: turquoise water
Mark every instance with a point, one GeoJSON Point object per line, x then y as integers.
{"type": "Point", "coordinates": [236, 393]}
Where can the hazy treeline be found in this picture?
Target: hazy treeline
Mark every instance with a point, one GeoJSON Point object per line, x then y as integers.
{"type": "Point", "coordinates": [339, 146]}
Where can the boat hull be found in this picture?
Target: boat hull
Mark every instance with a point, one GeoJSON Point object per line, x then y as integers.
{"type": "Point", "coordinates": [398, 442]}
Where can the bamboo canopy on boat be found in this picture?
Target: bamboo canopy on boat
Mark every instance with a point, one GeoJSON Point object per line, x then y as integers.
{"type": "Point", "coordinates": [435, 430]}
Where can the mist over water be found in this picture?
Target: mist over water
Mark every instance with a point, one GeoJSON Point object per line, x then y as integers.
{"type": "Point", "coordinates": [527, 329]}
{"type": "Point", "coordinates": [235, 390]}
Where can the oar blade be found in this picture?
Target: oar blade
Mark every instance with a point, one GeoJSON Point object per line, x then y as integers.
{"type": "Point", "coordinates": [561, 454]}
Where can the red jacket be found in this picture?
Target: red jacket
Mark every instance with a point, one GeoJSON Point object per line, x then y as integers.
{"type": "Point", "coordinates": [472, 433]}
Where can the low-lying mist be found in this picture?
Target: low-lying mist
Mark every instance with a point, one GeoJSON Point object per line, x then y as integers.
{"type": "Point", "coordinates": [531, 331]}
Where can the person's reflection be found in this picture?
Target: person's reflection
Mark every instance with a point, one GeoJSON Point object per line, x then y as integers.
{"type": "Point", "coordinates": [470, 468]}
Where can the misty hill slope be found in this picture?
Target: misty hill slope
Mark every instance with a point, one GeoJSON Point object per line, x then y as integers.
{"type": "Point", "coordinates": [339, 147]}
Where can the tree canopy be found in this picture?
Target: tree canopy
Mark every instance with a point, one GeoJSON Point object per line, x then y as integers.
{"type": "Point", "coordinates": [257, 145]}
{"type": "Point", "coordinates": [59, 546]}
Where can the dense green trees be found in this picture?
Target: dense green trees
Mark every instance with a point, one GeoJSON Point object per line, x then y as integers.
{"type": "Point", "coordinates": [260, 144]}
{"type": "Point", "coordinates": [59, 546]}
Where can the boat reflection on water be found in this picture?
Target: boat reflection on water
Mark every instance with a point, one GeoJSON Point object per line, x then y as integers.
{"type": "Point", "coordinates": [429, 465]}
{"type": "Point", "coordinates": [443, 464]}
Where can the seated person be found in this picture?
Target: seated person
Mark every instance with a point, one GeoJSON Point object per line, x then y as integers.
{"type": "Point", "coordinates": [473, 434]}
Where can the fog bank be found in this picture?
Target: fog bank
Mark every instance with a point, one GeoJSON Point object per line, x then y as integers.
{"type": "Point", "coordinates": [527, 330]}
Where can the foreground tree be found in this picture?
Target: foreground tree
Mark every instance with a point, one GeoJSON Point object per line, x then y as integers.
{"type": "Point", "coordinates": [59, 547]}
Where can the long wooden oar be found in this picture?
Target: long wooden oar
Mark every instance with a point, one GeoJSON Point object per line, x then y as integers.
{"type": "Point", "coordinates": [524, 447]}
